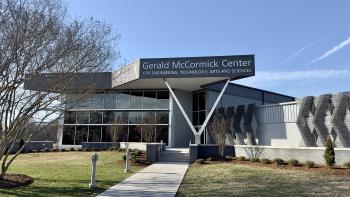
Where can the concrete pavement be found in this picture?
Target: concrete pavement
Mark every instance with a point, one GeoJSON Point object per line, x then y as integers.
{"type": "Point", "coordinates": [158, 179]}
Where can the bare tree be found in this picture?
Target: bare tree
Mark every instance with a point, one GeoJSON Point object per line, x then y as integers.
{"type": "Point", "coordinates": [116, 129]}
{"type": "Point", "coordinates": [148, 129]}
{"type": "Point", "coordinates": [219, 128]}
{"type": "Point", "coordinates": [253, 151]}
{"type": "Point", "coordinates": [39, 41]}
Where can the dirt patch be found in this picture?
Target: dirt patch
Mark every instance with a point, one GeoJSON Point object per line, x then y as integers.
{"type": "Point", "coordinates": [15, 180]}
{"type": "Point", "coordinates": [319, 169]}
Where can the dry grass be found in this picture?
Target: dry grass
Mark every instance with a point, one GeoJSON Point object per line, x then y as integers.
{"type": "Point", "coordinates": [67, 173]}
{"type": "Point", "coordinates": [229, 179]}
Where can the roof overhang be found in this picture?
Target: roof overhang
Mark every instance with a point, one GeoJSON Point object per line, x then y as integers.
{"type": "Point", "coordinates": [182, 73]}
{"type": "Point", "coordinates": [188, 73]}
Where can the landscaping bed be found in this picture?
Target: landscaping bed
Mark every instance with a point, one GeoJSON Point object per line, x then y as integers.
{"type": "Point", "coordinates": [323, 169]}
{"type": "Point", "coordinates": [15, 180]}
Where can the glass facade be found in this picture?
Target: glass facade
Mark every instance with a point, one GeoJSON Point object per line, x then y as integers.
{"type": "Point", "coordinates": [199, 112]}
{"type": "Point", "coordinates": [87, 118]}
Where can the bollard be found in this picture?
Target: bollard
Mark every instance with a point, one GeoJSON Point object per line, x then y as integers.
{"type": "Point", "coordinates": [94, 159]}
{"type": "Point", "coordinates": [126, 170]}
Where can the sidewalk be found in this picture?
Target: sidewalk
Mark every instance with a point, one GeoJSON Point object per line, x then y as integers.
{"type": "Point", "coordinates": [159, 179]}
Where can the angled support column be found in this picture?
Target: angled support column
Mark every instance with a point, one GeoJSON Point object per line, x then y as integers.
{"type": "Point", "coordinates": [189, 122]}
{"type": "Point", "coordinates": [211, 112]}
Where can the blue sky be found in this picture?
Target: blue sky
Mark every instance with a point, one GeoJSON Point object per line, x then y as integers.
{"type": "Point", "coordinates": [301, 47]}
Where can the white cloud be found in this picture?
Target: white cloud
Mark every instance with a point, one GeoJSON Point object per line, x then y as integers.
{"type": "Point", "coordinates": [277, 76]}
{"type": "Point", "coordinates": [333, 50]}
{"type": "Point", "coordinates": [298, 52]}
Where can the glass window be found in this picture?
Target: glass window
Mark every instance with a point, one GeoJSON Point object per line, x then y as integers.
{"type": "Point", "coordinates": [123, 100]}
{"type": "Point", "coordinates": [71, 102]}
{"type": "Point", "coordinates": [84, 102]}
{"type": "Point", "coordinates": [201, 100]}
{"type": "Point", "coordinates": [162, 117]}
{"type": "Point", "coordinates": [106, 137]}
{"type": "Point", "coordinates": [117, 132]}
{"type": "Point", "coordinates": [110, 101]}
{"type": "Point", "coordinates": [195, 101]}
{"type": "Point", "coordinates": [69, 118]}
{"type": "Point", "coordinates": [135, 117]}
{"type": "Point", "coordinates": [162, 99]}
{"type": "Point", "coordinates": [121, 117]}
{"type": "Point", "coordinates": [81, 134]}
{"type": "Point", "coordinates": [149, 117]}
{"type": "Point", "coordinates": [136, 100]}
{"type": "Point", "coordinates": [134, 134]}
{"type": "Point", "coordinates": [108, 117]}
{"type": "Point", "coordinates": [162, 134]}
{"type": "Point", "coordinates": [149, 100]}
{"type": "Point", "coordinates": [97, 101]}
{"type": "Point", "coordinates": [82, 117]}
{"type": "Point", "coordinates": [94, 134]}
{"type": "Point", "coordinates": [95, 117]}
{"type": "Point", "coordinates": [201, 117]}
{"type": "Point", "coordinates": [68, 135]}
{"type": "Point", "coordinates": [195, 118]}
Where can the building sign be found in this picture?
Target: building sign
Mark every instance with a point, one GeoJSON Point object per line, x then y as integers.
{"type": "Point", "coordinates": [214, 66]}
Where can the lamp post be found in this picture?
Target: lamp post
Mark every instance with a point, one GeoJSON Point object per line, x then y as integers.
{"type": "Point", "coordinates": [126, 170]}
{"type": "Point", "coordinates": [94, 159]}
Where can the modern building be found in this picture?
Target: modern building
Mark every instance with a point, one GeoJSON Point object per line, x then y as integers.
{"type": "Point", "coordinates": [178, 97]}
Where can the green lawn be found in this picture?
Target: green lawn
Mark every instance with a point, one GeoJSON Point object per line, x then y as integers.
{"type": "Point", "coordinates": [67, 173]}
{"type": "Point", "coordinates": [228, 179]}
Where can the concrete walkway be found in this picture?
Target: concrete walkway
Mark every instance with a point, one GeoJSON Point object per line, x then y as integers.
{"type": "Point", "coordinates": [158, 179]}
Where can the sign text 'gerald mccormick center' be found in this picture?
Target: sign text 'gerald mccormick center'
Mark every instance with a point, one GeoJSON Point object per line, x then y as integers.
{"type": "Point", "coordinates": [221, 66]}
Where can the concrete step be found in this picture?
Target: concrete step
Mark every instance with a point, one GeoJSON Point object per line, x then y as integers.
{"type": "Point", "coordinates": [175, 155]}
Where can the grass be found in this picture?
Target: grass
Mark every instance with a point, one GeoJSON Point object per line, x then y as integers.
{"type": "Point", "coordinates": [227, 179]}
{"type": "Point", "coordinates": [67, 173]}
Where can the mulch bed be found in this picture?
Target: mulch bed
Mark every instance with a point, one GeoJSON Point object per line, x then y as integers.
{"type": "Point", "coordinates": [320, 169]}
{"type": "Point", "coordinates": [15, 180]}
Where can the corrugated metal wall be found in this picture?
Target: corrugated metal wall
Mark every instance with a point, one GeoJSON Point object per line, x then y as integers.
{"type": "Point", "coordinates": [277, 113]}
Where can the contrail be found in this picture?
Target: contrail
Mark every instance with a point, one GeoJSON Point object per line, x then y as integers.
{"type": "Point", "coordinates": [333, 50]}
{"type": "Point", "coordinates": [299, 51]}
{"type": "Point", "coordinates": [298, 75]}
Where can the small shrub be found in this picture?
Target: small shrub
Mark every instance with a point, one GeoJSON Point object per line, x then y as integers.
{"type": "Point", "coordinates": [96, 149]}
{"type": "Point", "coordinates": [111, 148]}
{"type": "Point", "coordinates": [122, 150]}
{"type": "Point", "coordinates": [200, 161]}
{"type": "Point", "coordinates": [71, 149]}
{"type": "Point", "coordinates": [62, 150]}
{"type": "Point", "coordinates": [329, 154]}
{"type": "Point", "coordinates": [133, 157]}
{"type": "Point", "coordinates": [278, 161]}
{"type": "Point", "coordinates": [293, 162]}
{"type": "Point", "coordinates": [242, 158]}
{"type": "Point", "coordinates": [229, 158]}
{"type": "Point", "coordinates": [86, 149]}
{"type": "Point", "coordinates": [124, 157]}
{"type": "Point", "coordinates": [254, 159]}
{"type": "Point", "coordinates": [46, 150]}
{"type": "Point", "coordinates": [209, 159]}
{"type": "Point", "coordinates": [266, 161]}
{"type": "Point", "coordinates": [80, 149]}
{"type": "Point", "coordinates": [347, 165]}
{"type": "Point", "coordinates": [309, 164]}
{"type": "Point", "coordinates": [104, 149]}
